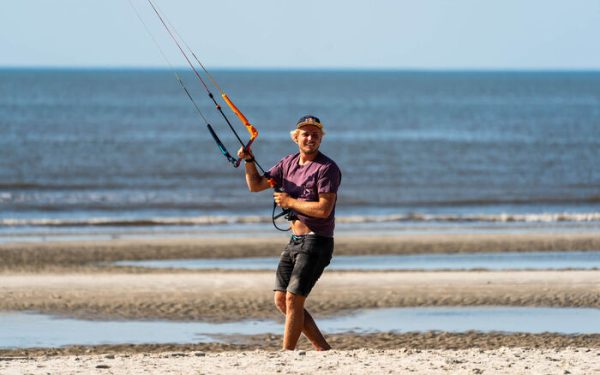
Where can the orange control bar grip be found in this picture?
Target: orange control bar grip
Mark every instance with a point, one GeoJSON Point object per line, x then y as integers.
{"type": "Point", "coordinates": [251, 129]}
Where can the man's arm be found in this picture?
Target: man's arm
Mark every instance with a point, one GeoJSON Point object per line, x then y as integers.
{"type": "Point", "coordinates": [254, 180]}
{"type": "Point", "coordinates": [321, 209]}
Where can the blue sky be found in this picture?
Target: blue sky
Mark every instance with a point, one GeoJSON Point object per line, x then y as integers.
{"type": "Point", "coordinates": [387, 34]}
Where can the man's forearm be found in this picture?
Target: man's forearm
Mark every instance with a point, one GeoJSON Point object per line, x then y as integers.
{"type": "Point", "coordinates": [312, 209]}
{"type": "Point", "coordinates": [254, 180]}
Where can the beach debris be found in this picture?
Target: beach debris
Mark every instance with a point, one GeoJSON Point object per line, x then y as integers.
{"type": "Point", "coordinates": [200, 354]}
{"type": "Point", "coordinates": [102, 366]}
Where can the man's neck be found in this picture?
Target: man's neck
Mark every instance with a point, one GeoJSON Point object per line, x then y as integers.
{"type": "Point", "coordinates": [307, 158]}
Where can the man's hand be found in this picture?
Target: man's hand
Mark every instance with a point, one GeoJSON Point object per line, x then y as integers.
{"type": "Point", "coordinates": [245, 154]}
{"type": "Point", "coordinates": [283, 200]}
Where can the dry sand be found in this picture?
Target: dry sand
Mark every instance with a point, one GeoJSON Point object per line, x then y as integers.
{"type": "Point", "coordinates": [362, 361]}
{"type": "Point", "coordinates": [76, 279]}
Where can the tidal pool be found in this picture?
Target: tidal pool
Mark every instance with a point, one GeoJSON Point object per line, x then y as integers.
{"type": "Point", "coordinates": [488, 261]}
{"type": "Point", "coordinates": [22, 330]}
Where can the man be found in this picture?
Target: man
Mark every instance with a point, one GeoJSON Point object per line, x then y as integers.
{"type": "Point", "coordinates": [310, 182]}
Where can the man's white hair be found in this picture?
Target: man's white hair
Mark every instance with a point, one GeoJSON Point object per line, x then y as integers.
{"type": "Point", "coordinates": [294, 134]}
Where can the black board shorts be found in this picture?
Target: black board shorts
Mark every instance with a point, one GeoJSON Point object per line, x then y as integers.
{"type": "Point", "coordinates": [302, 262]}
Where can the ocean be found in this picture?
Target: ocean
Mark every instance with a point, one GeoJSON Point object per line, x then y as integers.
{"type": "Point", "coordinates": [123, 151]}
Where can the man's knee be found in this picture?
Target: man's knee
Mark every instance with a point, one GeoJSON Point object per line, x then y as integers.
{"type": "Point", "coordinates": [294, 301]}
{"type": "Point", "coordinates": [280, 302]}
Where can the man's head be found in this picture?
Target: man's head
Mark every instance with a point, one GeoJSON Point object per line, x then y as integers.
{"type": "Point", "coordinates": [308, 134]}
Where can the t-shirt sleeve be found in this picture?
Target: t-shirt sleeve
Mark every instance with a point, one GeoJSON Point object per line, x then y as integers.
{"type": "Point", "coordinates": [329, 180]}
{"type": "Point", "coordinates": [276, 173]}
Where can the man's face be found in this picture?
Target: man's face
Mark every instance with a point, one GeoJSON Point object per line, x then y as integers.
{"type": "Point", "coordinates": [309, 139]}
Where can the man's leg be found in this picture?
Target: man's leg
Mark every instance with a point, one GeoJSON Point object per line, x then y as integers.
{"type": "Point", "coordinates": [309, 327]}
{"type": "Point", "coordinates": [313, 333]}
{"type": "Point", "coordinates": [294, 320]}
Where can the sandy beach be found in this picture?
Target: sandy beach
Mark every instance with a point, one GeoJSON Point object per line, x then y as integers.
{"type": "Point", "coordinates": [219, 296]}
{"type": "Point", "coordinates": [361, 361]}
{"type": "Point", "coordinates": [77, 279]}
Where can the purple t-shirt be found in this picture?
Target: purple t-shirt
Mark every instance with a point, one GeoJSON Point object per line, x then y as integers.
{"type": "Point", "coordinates": [306, 182]}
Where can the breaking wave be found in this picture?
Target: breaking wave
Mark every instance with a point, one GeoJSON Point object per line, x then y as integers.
{"type": "Point", "coordinates": [356, 219]}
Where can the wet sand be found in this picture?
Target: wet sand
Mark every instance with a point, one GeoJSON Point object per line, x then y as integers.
{"type": "Point", "coordinates": [346, 341]}
{"type": "Point", "coordinates": [76, 279]}
{"type": "Point", "coordinates": [219, 296]}
{"type": "Point", "coordinates": [85, 254]}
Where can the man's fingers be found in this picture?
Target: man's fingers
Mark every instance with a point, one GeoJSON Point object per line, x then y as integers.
{"type": "Point", "coordinates": [279, 198]}
{"type": "Point", "coordinates": [244, 154]}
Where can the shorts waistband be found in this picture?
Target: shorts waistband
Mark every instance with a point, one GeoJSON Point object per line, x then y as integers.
{"type": "Point", "coordinates": [302, 236]}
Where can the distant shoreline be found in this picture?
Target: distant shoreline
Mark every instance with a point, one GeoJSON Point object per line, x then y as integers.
{"type": "Point", "coordinates": [288, 70]}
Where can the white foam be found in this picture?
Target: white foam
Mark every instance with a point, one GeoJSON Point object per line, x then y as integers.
{"type": "Point", "coordinates": [352, 219]}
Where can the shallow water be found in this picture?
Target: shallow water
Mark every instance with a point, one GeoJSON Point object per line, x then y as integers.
{"type": "Point", "coordinates": [490, 261]}
{"type": "Point", "coordinates": [21, 330]}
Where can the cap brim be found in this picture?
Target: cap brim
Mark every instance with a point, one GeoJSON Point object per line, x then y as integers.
{"type": "Point", "coordinates": [306, 123]}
